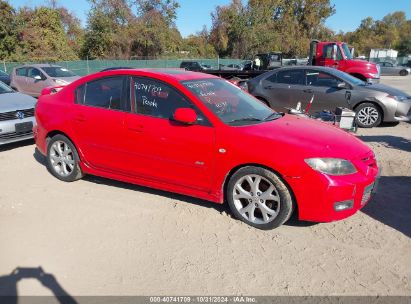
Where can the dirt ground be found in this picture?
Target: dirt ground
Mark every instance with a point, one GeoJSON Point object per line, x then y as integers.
{"type": "Point", "coordinates": [100, 237]}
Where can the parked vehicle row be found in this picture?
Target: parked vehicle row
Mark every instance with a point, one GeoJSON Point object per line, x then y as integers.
{"type": "Point", "coordinates": [199, 135]}
{"type": "Point", "coordinates": [331, 88]}
{"type": "Point", "coordinates": [393, 69]}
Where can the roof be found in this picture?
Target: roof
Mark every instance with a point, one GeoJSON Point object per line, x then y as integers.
{"type": "Point", "coordinates": [171, 73]}
{"type": "Point", "coordinates": [38, 65]}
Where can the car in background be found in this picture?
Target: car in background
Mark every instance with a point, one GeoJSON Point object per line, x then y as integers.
{"type": "Point", "coordinates": [198, 135]}
{"type": "Point", "coordinates": [4, 77]}
{"type": "Point", "coordinates": [331, 88]}
{"type": "Point", "coordinates": [392, 69]}
{"type": "Point", "coordinates": [194, 66]}
{"type": "Point", "coordinates": [32, 79]}
{"type": "Point", "coordinates": [16, 115]}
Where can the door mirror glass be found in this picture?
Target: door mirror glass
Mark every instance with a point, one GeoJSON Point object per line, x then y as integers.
{"type": "Point", "coordinates": [185, 115]}
{"type": "Point", "coordinates": [334, 53]}
{"type": "Point", "coordinates": [342, 85]}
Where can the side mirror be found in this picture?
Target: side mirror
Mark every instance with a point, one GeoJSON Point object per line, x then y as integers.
{"type": "Point", "coordinates": [334, 54]}
{"type": "Point", "coordinates": [185, 115]}
{"type": "Point", "coordinates": [37, 77]}
{"type": "Point", "coordinates": [342, 85]}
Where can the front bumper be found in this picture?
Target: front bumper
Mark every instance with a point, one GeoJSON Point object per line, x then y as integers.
{"type": "Point", "coordinates": [317, 194]}
{"type": "Point", "coordinates": [8, 133]}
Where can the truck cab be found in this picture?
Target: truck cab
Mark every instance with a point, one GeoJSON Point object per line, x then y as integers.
{"type": "Point", "coordinates": [339, 56]}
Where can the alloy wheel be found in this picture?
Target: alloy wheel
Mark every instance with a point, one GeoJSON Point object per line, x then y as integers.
{"type": "Point", "coordinates": [62, 158]}
{"type": "Point", "coordinates": [256, 199]}
{"type": "Point", "coordinates": [368, 116]}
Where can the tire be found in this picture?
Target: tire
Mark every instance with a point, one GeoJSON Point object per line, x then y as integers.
{"type": "Point", "coordinates": [368, 115]}
{"type": "Point", "coordinates": [268, 207]}
{"type": "Point", "coordinates": [63, 160]}
{"type": "Point", "coordinates": [403, 73]}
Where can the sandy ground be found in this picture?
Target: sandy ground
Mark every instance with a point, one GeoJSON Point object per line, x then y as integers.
{"type": "Point", "coordinates": [100, 237]}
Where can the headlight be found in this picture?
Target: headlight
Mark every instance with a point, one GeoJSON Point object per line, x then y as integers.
{"type": "Point", "coordinates": [61, 81]}
{"type": "Point", "coordinates": [331, 166]}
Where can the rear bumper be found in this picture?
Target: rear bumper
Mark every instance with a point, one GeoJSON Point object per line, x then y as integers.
{"type": "Point", "coordinates": [8, 132]}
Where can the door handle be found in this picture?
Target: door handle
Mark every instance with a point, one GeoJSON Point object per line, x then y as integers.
{"type": "Point", "coordinates": [308, 91]}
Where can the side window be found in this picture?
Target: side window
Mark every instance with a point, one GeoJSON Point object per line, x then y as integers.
{"type": "Point", "coordinates": [339, 55]}
{"type": "Point", "coordinates": [21, 72]}
{"type": "Point", "coordinates": [154, 98]}
{"type": "Point", "coordinates": [33, 72]}
{"type": "Point", "coordinates": [272, 78]}
{"type": "Point", "coordinates": [291, 77]}
{"type": "Point", "coordinates": [320, 79]}
{"type": "Point", "coordinates": [103, 93]}
{"type": "Point", "coordinates": [328, 51]}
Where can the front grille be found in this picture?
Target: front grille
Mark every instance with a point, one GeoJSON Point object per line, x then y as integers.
{"type": "Point", "coordinates": [13, 114]}
{"type": "Point", "coordinates": [14, 135]}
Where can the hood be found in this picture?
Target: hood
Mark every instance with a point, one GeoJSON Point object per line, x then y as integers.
{"type": "Point", "coordinates": [385, 89]}
{"type": "Point", "coordinates": [16, 101]}
{"type": "Point", "coordinates": [308, 138]}
{"type": "Point", "coordinates": [371, 66]}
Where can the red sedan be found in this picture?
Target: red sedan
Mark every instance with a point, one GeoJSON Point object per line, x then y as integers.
{"type": "Point", "coordinates": [199, 135]}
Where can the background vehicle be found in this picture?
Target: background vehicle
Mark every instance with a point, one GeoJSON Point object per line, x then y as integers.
{"type": "Point", "coordinates": [373, 103]}
{"type": "Point", "coordinates": [194, 66]}
{"type": "Point", "coordinates": [392, 69]}
{"type": "Point", "coordinates": [339, 56]}
{"type": "Point", "coordinates": [198, 135]}
{"type": "Point", "coordinates": [4, 77]}
{"type": "Point", "coordinates": [16, 115]}
{"type": "Point", "coordinates": [32, 79]}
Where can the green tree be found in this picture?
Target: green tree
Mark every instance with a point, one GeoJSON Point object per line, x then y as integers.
{"type": "Point", "coordinates": [8, 33]}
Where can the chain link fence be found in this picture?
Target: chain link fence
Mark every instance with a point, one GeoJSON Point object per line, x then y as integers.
{"type": "Point", "coordinates": [84, 67]}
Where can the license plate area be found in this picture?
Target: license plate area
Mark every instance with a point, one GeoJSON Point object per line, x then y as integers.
{"type": "Point", "coordinates": [24, 127]}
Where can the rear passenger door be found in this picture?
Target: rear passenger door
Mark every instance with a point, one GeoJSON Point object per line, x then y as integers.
{"type": "Point", "coordinates": [98, 119]}
{"type": "Point", "coordinates": [19, 81]}
{"type": "Point", "coordinates": [285, 88]}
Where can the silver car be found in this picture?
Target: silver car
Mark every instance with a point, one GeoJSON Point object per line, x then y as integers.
{"type": "Point", "coordinates": [16, 115]}
{"type": "Point", "coordinates": [32, 79]}
{"type": "Point", "coordinates": [331, 88]}
{"type": "Point", "coordinates": [392, 69]}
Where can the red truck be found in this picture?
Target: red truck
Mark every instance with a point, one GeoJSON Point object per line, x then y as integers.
{"type": "Point", "coordinates": [338, 55]}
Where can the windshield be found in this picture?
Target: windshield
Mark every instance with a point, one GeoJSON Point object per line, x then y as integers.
{"type": "Point", "coordinates": [346, 51]}
{"type": "Point", "coordinates": [58, 72]}
{"type": "Point", "coordinates": [229, 103]}
{"type": "Point", "coordinates": [5, 88]}
{"type": "Point", "coordinates": [348, 78]}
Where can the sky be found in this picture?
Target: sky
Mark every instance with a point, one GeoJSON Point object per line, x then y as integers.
{"type": "Point", "coordinates": [194, 14]}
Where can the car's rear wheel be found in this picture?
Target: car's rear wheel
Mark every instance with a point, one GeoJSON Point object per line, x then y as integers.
{"type": "Point", "coordinates": [63, 159]}
{"type": "Point", "coordinates": [368, 115]}
{"type": "Point", "coordinates": [403, 73]}
{"type": "Point", "coordinates": [259, 198]}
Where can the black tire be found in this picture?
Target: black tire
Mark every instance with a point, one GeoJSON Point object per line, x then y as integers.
{"type": "Point", "coordinates": [361, 115]}
{"type": "Point", "coordinates": [403, 73]}
{"type": "Point", "coordinates": [74, 173]}
{"type": "Point", "coordinates": [285, 204]}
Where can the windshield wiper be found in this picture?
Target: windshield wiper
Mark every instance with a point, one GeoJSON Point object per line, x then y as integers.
{"type": "Point", "coordinates": [244, 119]}
{"type": "Point", "coordinates": [273, 116]}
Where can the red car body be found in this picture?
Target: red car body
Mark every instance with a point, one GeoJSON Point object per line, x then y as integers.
{"type": "Point", "coordinates": [197, 160]}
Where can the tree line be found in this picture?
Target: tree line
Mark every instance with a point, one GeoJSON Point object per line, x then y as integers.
{"type": "Point", "coordinates": [126, 29]}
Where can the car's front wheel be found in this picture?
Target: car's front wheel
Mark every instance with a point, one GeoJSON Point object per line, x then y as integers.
{"type": "Point", "coordinates": [63, 159]}
{"type": "Point", "coordinates": [368, 115]}
{"type": "Point", "coordinates": [403, 73]}
{"type": "Point", "coordinates": [259, 198]}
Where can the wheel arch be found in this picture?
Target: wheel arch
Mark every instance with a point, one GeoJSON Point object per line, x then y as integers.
{"type": "Point", "coordinates": [359, 76]}
{"type": "Point", "coordinates": [238, 167]}
{"type": "Point", "coordinates": [53, 133]}
{"type": "Point", "coordinates": [379, 106]}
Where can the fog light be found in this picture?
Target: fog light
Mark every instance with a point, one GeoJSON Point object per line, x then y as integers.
{"type": "Point", "coordinates": [344, 205]}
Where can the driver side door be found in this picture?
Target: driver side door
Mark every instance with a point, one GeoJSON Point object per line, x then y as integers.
{"type": "Point", "coordinates": [327, 96]}
{"type": "Point", "coordinates": [161, 149]}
